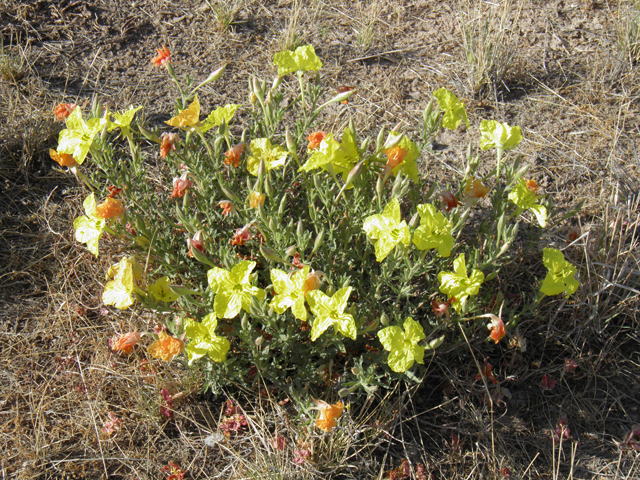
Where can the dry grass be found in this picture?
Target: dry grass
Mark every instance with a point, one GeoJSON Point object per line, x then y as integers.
{"type": "Point", "coordinates": [578, 106]}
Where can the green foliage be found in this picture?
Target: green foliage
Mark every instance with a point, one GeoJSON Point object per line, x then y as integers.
{"type": "Point", "coordinates": [256, 260]}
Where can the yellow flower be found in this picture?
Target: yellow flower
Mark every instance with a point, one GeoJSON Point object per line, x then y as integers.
{"type": "Point", "coordinates": [256, 199]}
{"type": "Point", "coordinates": [166, 347]}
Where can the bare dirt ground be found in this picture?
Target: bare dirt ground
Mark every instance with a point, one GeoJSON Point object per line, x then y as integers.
{"type": "Point", "coordinates": [562, 78]}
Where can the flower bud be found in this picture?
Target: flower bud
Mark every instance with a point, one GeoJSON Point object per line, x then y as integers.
{"type": "Point", "coordinates": [343, 392]}
{"type": "Point", "coordinates": [216, 74]}
{"type": "Point", "coordinates": [291, 142]}
{"type": "Point", "coordinates": [392, 141]}
{"type": "Point", "coordinates": [300, 230]}
{"type": "Point", "coordinates": [355, 171]}
{"type": "Point", "coordinates": [379, 140]}
{"type": "Point", "coordinates": [270, 254]}
{"type": "Point", "coordinates": [380, 186]}
{"type": "Point", "coordinates": [276, 83]}
{"type": "Point", "coordinates": [259, 341]}
{"type": "Point", "coordinates": [319, 241]}
{"type": "Point", "coordinates": [384, 320]}
{"type": "Point", "coordinates": [352, 127]}
{"type": "Point", "coordinates": [290, 251]}
{"type": "Point", "coordinates": [355, 370]}
{"type": "Point", "coordinates": [413, 223]}
{"type": "Point", "coordinates": [149, 135]}
{"type": "Point", "coordinates": [268, 188]}
{"type": "Point", "coordinates": [244, 323]}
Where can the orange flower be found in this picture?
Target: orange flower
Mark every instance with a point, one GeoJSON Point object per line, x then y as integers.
{"type": "Point", "coordinates": [232, 156]}
{"type": "Point", "coordinates": [496, 326]}
{"type": "Point", "coordinates": [242, 236]}
{"type": "Point", "coordinates": [533, 185]}
{"type": "Point", "coordinates": [180, 185]}
{"type": "Point", "coordinates": [64, 159]}
{"type": "Point", "coordinates": [227, 207]}
{"type": "Point", "coordinates": [168, 143]}
{"type": "Point", "coordinates": [474, 190]}
{"type": "Point", "coordinates": [328, 414]}
{"type": "Point", "coordinates": [166, 347]}
{"type": "Point", "coordinates": [125, 342]}
{"type": "Point", "coordinates": [110, 208]}
{"type": "Point", "coordinates": [315, 139]}
{"type": "Point", "coordinates": [196, 242]}
{"type": "Point", "coordinates": [395, 156]}
{"type": "Point", "coordinates": [164, 57]}
{"type": "Point", "coordinates": [256, 199]}
{"type": "Point", "coordinates": [63, 110]}
{"type": "Point", "coordinates": [312, 282]}
{"type": "Point", "coordinates": [449, 200]}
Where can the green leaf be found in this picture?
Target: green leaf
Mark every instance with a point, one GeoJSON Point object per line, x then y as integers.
{"type": "Point", "coordinates": [233, 289]}
{"type": "Point", "coordinates": [221, 114]}
{"type": "Point", "coordinates": [560, 277]}
{"type": "Point", "coordinates": [261, 149]}
{"type": "Point", "coordinates": [329, 311]}
{"type": "Point", "coordinates": [388, 229]}
{"type": "Point", "coordinates": [290, 292]}
{"type": "Point", "coordinates": [403, 346]}
{"type": "Point", "coordinates": [204, 341]}
{"type": "Point", "coordinates": [458, 285]}
{"type": "Point", "coordinates": [303, 59]}
{"type": "Point", "coordinates": [434, 231]}
{"type": "Point", "coordinates": [161, 290]}
{"type": "Point", "coordinates": [453, 108]}
{"type": "Point", "coordinates": [498, 135]}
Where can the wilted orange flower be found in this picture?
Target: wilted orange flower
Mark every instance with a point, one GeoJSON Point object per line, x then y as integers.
{"type": "Point", "coordinates": [533, 185]}
{"type": "Point", "coordinates": [63, 110]}
{"type": "Point", "coordinates": [64, 159]}
{"type": "Point", "coordinates": [110, 208]}
{"type": "Point", "coordinates": [442, 308]}
{"type": "Point", "coordinates": [232, 156]}
{"type": "Point", "coordinates": [395, 155]}
{"type": "Point", "coordinates": [242, 236]}
{"type": "Point", "coordinates": [125, 342]}
{"type": "Point", "coordinates": [168, 143]}
{"type": "Point", "coordinates": [166, 347]}
{"type": "Point", "coordinates": [328, 414]}
{"type": "Point", "coordinates": [312, 282]}
{"type": "Point", "coordinates": [196, 242]}
{"type": "Point", "coordinates": [449, 200]}
{"type": "Point", "coordinates": [496, 326]}
{"type": "Point", "coordinates": [486, 373]}
{"type": "Point", "coordinates": [180, 185]}
{"type": "Point", "coordinates": [256, 199]}
{"type": "Point", "coordinates": [474, 189]}
{"type": "Point", "coordinates": [164, 57]}
{"type": "Point", "coordinates": [227, 207]}
{"type": "Point", "coordinates": [315, 139]}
